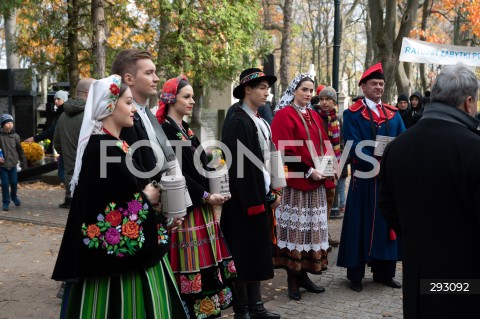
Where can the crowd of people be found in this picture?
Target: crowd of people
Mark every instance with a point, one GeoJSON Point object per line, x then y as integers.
{"type": "Point", "coordinates": [121, 257]}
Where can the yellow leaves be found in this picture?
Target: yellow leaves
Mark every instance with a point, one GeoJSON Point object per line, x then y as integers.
{"type": "Point", "coordinates": [118, 36]}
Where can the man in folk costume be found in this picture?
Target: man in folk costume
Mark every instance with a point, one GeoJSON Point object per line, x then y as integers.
{"type": "Point", "coordinates": [138, 71]}
{"type": "Point", "coordinates": [246, 218]}
{"type": "Point", "coordinates": [366, 237]}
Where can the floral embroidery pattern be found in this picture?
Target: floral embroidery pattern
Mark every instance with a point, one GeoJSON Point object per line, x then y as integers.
{"type": "Point", "coordinates": [124, 147]}
{"type": "Point", "coordinates": [190, 284]}
{"type": "Point", "coordinates": [225, 298]}
{"type": "Point", "coordinates": [252, 77]}
{"type": "Point", "coordinates": [229, 269]}
{"type": "Point", "coordinates": [162, 234]}
{"type": "Point", "coordinates": [119, 231]}
{"type": "Point", "coordinates": [167, 98]}
{"type": "Point", "coordinates": [182, 137]}
{"type": "Point", "coordinates": [114, 93]}
{"type": "Point", "coordinates": [207, 307]}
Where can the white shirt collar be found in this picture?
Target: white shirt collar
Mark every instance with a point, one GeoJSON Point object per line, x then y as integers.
{"type": "Point", "coordinates": [302, 109]}
{"type": "Point", "coordinates": [372, 105]}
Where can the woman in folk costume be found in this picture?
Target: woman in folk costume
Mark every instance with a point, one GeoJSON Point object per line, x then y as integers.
{"type": "Point", "coordinates": [199, 255]}
{"type": "Point", "coordinates": [302, 229]}
{"type": "Point", "coordinates": [113, 254]}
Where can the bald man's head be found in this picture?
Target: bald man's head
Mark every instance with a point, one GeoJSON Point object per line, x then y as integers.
{"type": "Point", "coordinates": [82, 88]}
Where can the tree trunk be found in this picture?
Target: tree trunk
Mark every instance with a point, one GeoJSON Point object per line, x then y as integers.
{"type": "Point", "coordinates": [99, 38]}
{"type": "Point", "coordinates": [285, 46]}
{"type": "Point", "coordinates": [164, 14]}
{"type": "Point", "coordinates": [44, 87]}
{"type": "Point", "coordinates": [383, 33]}
{"type": "Point", "coordinates": [328, 78]}
{"type": "Point", "coordinates": [406, 25]}
{"type": "Point", "coordinates": [10, 39]}
{"type": "Point", "coordinates": [425, 13]}
{"type": "Point", "coordinates": [370, 52]}
{"type": "Point", "coordinates": [402, 81]}
{"type": "Point", "coordinates": [72, 45]}
{"type": "Point", "coordinates": [388, 57]}
{"type": "Point", "coordinates": [319, 53]}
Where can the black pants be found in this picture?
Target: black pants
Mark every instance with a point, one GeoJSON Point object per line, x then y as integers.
{"type": "Point", "coordinates": [381, 269]}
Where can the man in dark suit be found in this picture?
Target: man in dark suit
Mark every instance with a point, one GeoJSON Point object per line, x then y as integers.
{"type": "Point", "coordinates": [138, 71]}
{"type": "Point", "coordinates": [437, 160]}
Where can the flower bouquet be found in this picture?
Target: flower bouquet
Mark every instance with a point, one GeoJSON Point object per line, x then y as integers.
{"type": "Point", "coordinates": [33, 152]}
{"type": "Point", "coordinates": [215, 158]}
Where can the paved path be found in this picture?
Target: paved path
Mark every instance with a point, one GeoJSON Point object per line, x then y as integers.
{"type": "Point", "coordinates": [39, 206]}
{"type": "Point", "coordinates": [375, 301]}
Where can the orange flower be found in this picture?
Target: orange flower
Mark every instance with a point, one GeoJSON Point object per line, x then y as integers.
{"type": "Point", "coordinates": [130, 230]}
{"type": "Point", "coordinates": [207, 306]}
{"type": "Point", "coordinates": [93, 231]}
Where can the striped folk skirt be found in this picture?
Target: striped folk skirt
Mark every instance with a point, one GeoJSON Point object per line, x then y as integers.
{"type": "Point", "coordinates": [147, 293]}
{"type": "Point", "coordinates": [302, 231]}
{"type": "Point", "coordinates": [202, 264]}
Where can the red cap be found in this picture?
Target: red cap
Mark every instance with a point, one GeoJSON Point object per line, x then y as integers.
{"type": "Point", "coordinates": [319, 88]}
{"type": "Point", "coordinates": [373, 72]}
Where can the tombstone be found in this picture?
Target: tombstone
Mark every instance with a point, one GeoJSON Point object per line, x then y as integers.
{"type": "Point", "coordinates": [269, 68]}
{"type": "Point", "coordinates": [18, 97]}
{"type": "Point", "coordinates": [24, 115]}
{"type": "Point", "coordinates": [209, 128]}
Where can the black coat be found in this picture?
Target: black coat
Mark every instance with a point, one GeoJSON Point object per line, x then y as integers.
{"type": "Point", "coordinates": [413, 115]}
{"type": "Point", "coordinates": [438, 160]}
{"type": "Point", "coordinates": [245, 219]}
{"type": "Point", "coordinates": [91, 197]}
{"type": "Point", "coordinates": [50, 131]}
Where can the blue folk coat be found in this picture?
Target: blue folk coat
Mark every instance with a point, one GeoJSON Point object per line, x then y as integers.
{"type": "Point", "coordinates": [365, 233]}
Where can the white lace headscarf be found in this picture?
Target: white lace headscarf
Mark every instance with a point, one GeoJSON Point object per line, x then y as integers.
{"type": "Point", "coordinates": [288, 96]}
{"type": "Point", "coordinates": [102, 98]}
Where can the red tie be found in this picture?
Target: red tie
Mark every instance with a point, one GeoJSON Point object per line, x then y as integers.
{"type": "Point", "coordinates": [380, 111]}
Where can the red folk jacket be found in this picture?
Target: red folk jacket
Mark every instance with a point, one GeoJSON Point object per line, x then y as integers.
{"type": "Point", "coordinates": [288, 126]}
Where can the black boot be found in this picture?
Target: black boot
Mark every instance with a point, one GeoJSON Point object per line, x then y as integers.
{"type": "Point", "coordinates": [255, 304]}
{"type": "Point", "coordinates": [307, 283]}
{"type": "Point", "coordinates": [66, 204]}
{"type": "Point", "coordinates": [293, 291]}
{"type": "Point", "coordinates": [240, 301]}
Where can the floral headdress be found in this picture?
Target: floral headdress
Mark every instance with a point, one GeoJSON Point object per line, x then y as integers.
{"type": "Point", "coordinates": [288, 96]}
{"type": "Point", "coordinates": [101, 101]}
{"type": "Point", "coordinates": [169, 92]}
{"type": "Point", "coordinates": [114, 92]}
